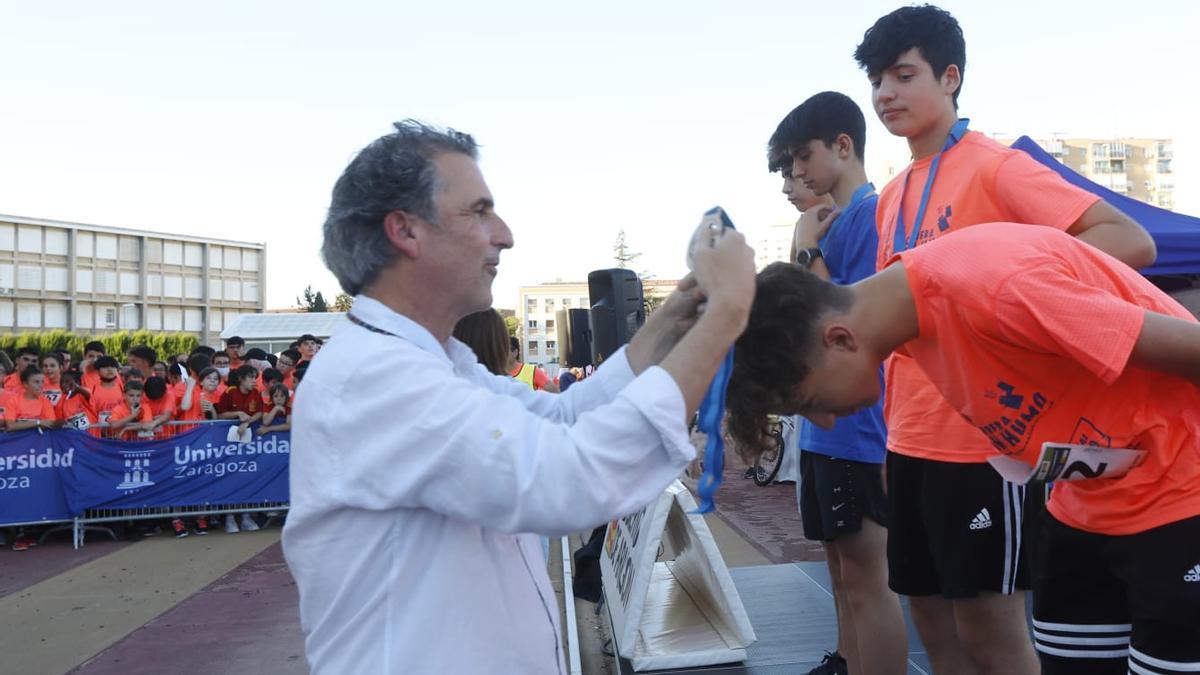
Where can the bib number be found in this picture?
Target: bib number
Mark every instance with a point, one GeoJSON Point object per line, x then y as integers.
{"type": "Point", "coordinates": [1068, 462]}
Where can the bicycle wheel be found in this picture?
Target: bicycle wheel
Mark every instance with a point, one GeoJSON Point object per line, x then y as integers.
{"type": "Point", "coordinates": [766, 467]}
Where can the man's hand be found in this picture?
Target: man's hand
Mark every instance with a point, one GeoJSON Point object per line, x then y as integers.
{"type": "Point", "coordinates": [665, 326]}
{"type": "Point", "coordinates": [725, 277]}
{"type": "Point", "coordinates": [813, 225]}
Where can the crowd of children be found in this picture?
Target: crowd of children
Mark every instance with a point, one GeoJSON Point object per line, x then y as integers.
{"type": "Point", "coordinates": [148, 398]}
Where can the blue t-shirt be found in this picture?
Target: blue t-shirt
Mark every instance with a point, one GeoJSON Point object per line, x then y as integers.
{"type": "Point", "coordinates": [849, 248]}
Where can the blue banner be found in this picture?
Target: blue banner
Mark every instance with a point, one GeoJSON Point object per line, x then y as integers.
{"type": "Point", "coordinates": [192, 469]}
{"type": "Point", "coordinates": [58, 474]}
{"type": "Point", "coordinates": [31, 484]}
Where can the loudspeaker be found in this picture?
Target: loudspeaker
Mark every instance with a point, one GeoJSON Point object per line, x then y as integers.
{"type": "Point", "coordinates": [617, 311]}
{"type": "Point", "coordinates": [574, 338]}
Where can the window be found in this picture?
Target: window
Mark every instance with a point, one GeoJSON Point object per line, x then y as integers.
{"type": "Point", "coordinates": [549, 324]}
{"type": "Point", "coordinates": [193, 255]}
{"type": "Point", "coordinates": [56, 279]}
{"type": "Point", "coordinates": [193, 320]}
{"type": "Point", "coordinates": [106, 246]}
{"type": "Point", "coordinates": [566, 303]}
{"type": "Point", "coordinates": [1164, 166]}
{"type": "Point", "coordinates": [131, 284]}
{"type": "Point", "coordinates": [56, 242]}
{"type": "Point", "coordinates": [29, 315]}
{"type": "Point", "coordinates": [29, 277]}
{"type": "Point", "coordinates": [172, 318]}
{"type": "Point", "coordinates": [83, 282]}
{"type": "Point", "coordinates": [130, 318]}
{"type": "Point", "coordinates": [29, 239]}
{"type": "Point", "coordinates": [549, 305]}
{"type": "Point", "coordinates": [1100, 166]}
{"type": "Point", "coordinates": [214, 256]}
{"type": "Point", "coordinates": [8, 239]}
{"type": "Point", "coordinates": [83, 315]}
{"type": "Point", "coordinates": [193, 287]}
{"type": "Point", "coordinates": [214, 287]}
{"type": "Point", "coordinates": [551, 344]}
{"type": "Point", "coordinates": [214, 321]}
{"type": "Point", "coordinates": [56, 315]}
{"type": "Point", "coordinates": [249, 291]}
{"type": "Point", "coordinates": [6, 313]}
{"type": "Point", "coordinates": [532, 323]}
{"type": "Point", "coordinates": [8, 278]}
{"type": "Point", "coordinates": [233, 258]}
{"type": "Point", "coordinates": [531, 348]}
{"type": "Point", "coordinates": [530, 305]}
{"type": "Point", "coordinates": [154, 285]}
{"type": "Point", "coordinates": [106, 317]}
{"type": "Point", "coordinates": [154, 318]}
{"type": "Point", "coordinates": [233, 289]}
{"type": "Point", "coordinates": [172, 286]}
{"type": "Point", "coordinates": [172, 253]}
{"type": "Point", "coordinates": [154, 250]}
{"type": "Point", "coordinates": [230, 317]}
{"type": "Point", "coordinates": [85, 244]}
{"type": "Point", "coordinates": [130, 248]}
{"type": "Point", "coordinates": [250, 260]}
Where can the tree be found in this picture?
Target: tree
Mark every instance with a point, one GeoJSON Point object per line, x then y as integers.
{"type": "Point", "coordinates": [512, 323]}
{"type": "Point", "coordinates": [343, 302]}
{"type": "Point", "coordinates": [312, 302]}
{"type": "Point", "coordinates": [624, 255]}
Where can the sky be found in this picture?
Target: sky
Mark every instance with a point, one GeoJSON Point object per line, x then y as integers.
{"type": "Point", "coordinates": [234, 119]}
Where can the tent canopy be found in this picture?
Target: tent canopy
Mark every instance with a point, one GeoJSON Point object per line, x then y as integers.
{"type": "Point", "coordinates": [1176, 235]}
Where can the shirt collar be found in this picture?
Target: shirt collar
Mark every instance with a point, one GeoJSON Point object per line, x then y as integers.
{"type": "Point", "coordinates": [377, 314]}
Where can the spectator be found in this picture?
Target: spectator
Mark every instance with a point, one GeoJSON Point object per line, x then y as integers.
{"type": "Point", "coordinates": [64, 357]}
{"type": "Point", "coordinates": [212, 388]}
{"type": "Point", "coordinates": [279, 411]}
{"type": "Point", "coordinates": [485, 333]}
{"type": "Point", "coordinates": [142, 358]}
{"type": "Point", "coordinates": [30, 410]}
{"type": "Point", "coordinates": [161, 402]}
{"type": "Point", "coordinates": [307, 344]}
{"type": "Point", "coordinates": [288, 359]}
{"type": "Point", "coordinates": [26, 356]}
{"type": "Point", "coordinates": [7, 398]}
{"type": "Point", "coordinates": [52, 371]}
{"type": "Point", "coordinates": [130, 414]}
{"type": "Point", "coordinates": [92, 351]}
{"type": "Point", "coordinates": [108, 392]}
{"type": "Point", "coordinates": [297, 375]}
{"type": "Point", "coordinates": [242, 402]}
{"type": "Point", "coordinates": [190, 407]}
{"type": "Point", "coordinates": [220, 361]}
{"type": "Point", "coordinates": [565, 379]}
{"type": "Point", "coordinates": [528, 373]}
{"type": "Point", "coordinates": [159, 370]}
{"type": "Point", "coordinates": [74, 408]}
{"type": "Point", "coordinates": [234, 347]}
{"type": "Point", "coordinates": [269, 378]}
{"type": "Point", "coordinates": [205, 350]}
{"type": "Point", "coordinates": [135, 375]}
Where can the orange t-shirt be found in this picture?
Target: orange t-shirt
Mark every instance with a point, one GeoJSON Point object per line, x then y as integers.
{"type": "Point", "coordinates": [1030, 343]}
{"type": "Point", "coordinates": [52, 391]}
{"type": "Point", "coordinates": [7, 399]}
{"type": "Point", "coordinates": [104, 399]}
{"type": "Point", "coordinates": [75, 411]}
{"type": "Point", "coordinates": [20, 408]}
{"type": "Point", "coordinates": [122, 411]}
{"type": "Point", "coordinates": [164, 404]}
{"type": "Point", "coordinates": [978, 181]}
{"type": "Point", "coordinates": [12, 384]}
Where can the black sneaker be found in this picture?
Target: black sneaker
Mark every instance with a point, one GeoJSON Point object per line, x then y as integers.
{"type": "Point", "coordinates": [202, 526]}
{"type": "Point", "coordinates": [179, 527]}
{"type": "Point", "coordinates": [832, 664]}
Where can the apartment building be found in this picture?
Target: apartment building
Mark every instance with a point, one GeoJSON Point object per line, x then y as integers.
{"type": "Point", "coordinates": [1140, 168]}
{"type": "Point", "coordinates": [99, 279]}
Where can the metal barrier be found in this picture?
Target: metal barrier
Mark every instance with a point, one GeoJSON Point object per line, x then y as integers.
{"type": "Point", "coordinates": [91, 520]}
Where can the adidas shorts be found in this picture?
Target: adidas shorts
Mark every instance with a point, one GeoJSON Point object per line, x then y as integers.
{"type": "Point", "coordinates": [835, 494]}
{"type": "Point", "coordinates": [955, 529]}
{"type": "Point", "coordinates": [1115, 604]}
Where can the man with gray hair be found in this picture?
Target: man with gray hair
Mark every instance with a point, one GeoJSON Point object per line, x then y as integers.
{"type": "Point", "coordinates": [419, 481]}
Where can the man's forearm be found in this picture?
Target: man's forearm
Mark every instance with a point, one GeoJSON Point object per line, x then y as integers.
{"type": "Point", "coordinates": [694, 360]}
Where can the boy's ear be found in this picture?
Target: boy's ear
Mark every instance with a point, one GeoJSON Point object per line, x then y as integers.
{"type": "Point", "coordinates": [951, 78]}
{"type": "Point", "coordinates": [844, 146]}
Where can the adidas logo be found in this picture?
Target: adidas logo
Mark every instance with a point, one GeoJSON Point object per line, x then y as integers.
{"type": "Point", "coordinates": [1193, 574]}
{"type": "Point", "coordinates": [982, 520]}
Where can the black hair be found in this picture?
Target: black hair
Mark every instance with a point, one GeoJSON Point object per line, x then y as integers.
{"type": "Point", "coordinates": [107, 362]}
{"type": "Point", "coordinates": [32, 351]}
{"type": "Point", "coordinates": [299, 373]}
{"type": "Point", "coordinates": [235, 377]}
{"type": "Point", "coordinates": [293, 354]}
{"type": "Point", "coordinates": [307, 337]}
{"type": "Point", "coordinates": [134, 385]}
{"type": "Point", "coordinates": [295, 344]}
{"type": "Point", "coordinates": [147, 354]}
{"type": "Point", "coordinates": [771, 357]}
{"type": "Point", "coordinates": [217, 355]}
{"type": "Point", "coordinates": [95, 346]}
{"type": "Point", "coordinates": [234, 341]}
{"type": "Point", "coordinates": [165, 365]}
{"type": "Point", "coordinates": [932, 30]}
{"type": "Point", "coordinates": [513, 343]}
{"type": "Point", "coordinates": [271, 375]}
{"type": "Point", "coordinates": [205, 372]}
{"type": "Point", "coordinates": [197, 363]}
{"type": "Point", "coordinates": [134, 372]}
{"type": "Point", "coordinates": [156, 388]}
{"type": "Point", "coordinates": [28, 373]}
{"type": "Point", "coordinates": [205, 350]}
{"type": "Point", "coordinates": [255, 354]}
{"type": "Point", "coordinates": [823, 117]}
{"type": "Point", "coordinates": [54, 356]}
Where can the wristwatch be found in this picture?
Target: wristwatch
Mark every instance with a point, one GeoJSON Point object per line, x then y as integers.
{"type": "Point", "coordinates": [805, 257]}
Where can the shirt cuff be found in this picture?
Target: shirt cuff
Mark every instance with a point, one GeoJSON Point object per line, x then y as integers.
{"type": "Point", "coordinates": [614, 374]}
{"type": "Point", "coordinates": [657, 396]}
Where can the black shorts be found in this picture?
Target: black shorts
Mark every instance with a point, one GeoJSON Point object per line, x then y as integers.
{"type": "Point", "coordinates": [1116, 604]}
{"type": "Point", "coordinates": [835, 494]}
{"type": "Point", "coordinates": [955, 529]}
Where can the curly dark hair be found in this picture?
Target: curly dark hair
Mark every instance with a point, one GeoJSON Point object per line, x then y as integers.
{"type": "Point", "coordinates": [932, 30]}
{"type": "Point", "coordinates": [772, 356]}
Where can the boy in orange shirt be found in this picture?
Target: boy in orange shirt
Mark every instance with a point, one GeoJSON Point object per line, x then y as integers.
{"type": "Point", "coordinates": [30, 410]}
{"type": "Point", "coordinates": [960, 579]}
{"type": "Point", "coordinates": [26, 356]}
{"type": "Point", "coordinates": [1031, 337]}
{"type": "Point", "coordinates": [74, 409]}
{"type": "Point", "coordinates": [161, 404]}
{"type": "Point", "coordinates": [131, 414]}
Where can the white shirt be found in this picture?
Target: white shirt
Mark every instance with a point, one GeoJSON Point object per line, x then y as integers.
{"type": "Point", "coordinates": [414, 473]}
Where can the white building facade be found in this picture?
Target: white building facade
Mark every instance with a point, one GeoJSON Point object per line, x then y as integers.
{"type": "Point", "coordinates": [95, 279]}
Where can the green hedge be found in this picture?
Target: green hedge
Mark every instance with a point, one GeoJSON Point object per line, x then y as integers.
{"type": "Point", "coordinates": [116, 344]}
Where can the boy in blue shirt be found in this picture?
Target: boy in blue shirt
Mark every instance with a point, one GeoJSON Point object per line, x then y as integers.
{"type": "Point", "coordinates": [842, 501]}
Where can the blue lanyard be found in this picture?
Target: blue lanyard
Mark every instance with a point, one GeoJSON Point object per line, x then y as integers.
{"type": "Point", "coordinates": [866, 190]}
{"type": "Point", "coordinates": [899, 242]}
